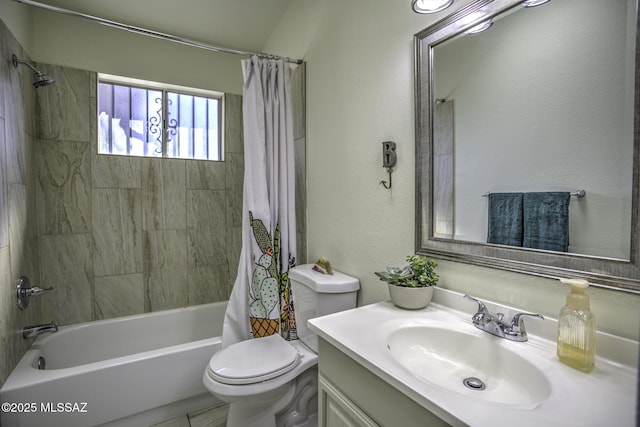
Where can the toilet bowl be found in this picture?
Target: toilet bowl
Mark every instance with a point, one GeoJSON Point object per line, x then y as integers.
{"type": "Point", "coordinates": [271, 382]}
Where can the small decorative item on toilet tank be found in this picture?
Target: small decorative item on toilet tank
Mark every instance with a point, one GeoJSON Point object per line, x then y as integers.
{"type": "Point", "coordinates": [323, 266]}
{"type": "Point", "coordinates": [411, 286]}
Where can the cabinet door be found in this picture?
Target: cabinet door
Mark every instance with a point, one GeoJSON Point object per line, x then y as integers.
{"type": "Point", "coordinates": [336, 410]}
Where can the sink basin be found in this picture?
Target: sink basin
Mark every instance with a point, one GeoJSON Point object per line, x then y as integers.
{"type": "Point", "coordinates": [472, 365]}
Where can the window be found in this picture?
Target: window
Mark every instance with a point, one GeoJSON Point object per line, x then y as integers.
{"type": "Point", "coordinates": [137, 118]}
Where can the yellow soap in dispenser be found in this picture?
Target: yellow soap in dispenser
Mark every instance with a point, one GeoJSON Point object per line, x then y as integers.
{"type": "Point", "coordinates": [577, 328]}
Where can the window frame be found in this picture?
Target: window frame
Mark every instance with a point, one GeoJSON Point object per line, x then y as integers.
{"type": "Point", "coordinates": [164, 88]}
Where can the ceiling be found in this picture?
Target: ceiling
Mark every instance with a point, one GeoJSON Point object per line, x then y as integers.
{"type": "Point", "coordinates": [237, 24]}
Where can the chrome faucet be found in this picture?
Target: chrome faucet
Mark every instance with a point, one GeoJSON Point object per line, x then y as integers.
{"type": "Point", "coordinates": [36, 330]}
{"type": "Point", "coordinates": [513, 331]}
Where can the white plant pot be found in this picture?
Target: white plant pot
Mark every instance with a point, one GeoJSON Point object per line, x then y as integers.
{"type": "Point", "coordinates": [410, 298]}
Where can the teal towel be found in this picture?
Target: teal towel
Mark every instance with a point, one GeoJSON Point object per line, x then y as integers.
{"type": "Point", "coordinates": [505, 219]}
{"type": "Point", "coordinates": [546, 221]}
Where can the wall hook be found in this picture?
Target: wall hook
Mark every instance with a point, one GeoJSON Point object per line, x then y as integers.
{"type": "Point", "coordinates": [389, 159]}
{"type": "Point", "coordinates": [384, 183]}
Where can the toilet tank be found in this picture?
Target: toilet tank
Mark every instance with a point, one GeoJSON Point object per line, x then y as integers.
{"type": "Point", "coordinates": [316, 294]}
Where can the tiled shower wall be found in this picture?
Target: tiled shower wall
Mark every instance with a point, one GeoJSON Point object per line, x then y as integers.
{"type": "Point", "coordinates": [113, 235]}
{"type": "Point", "coordinates": [18, 219]}
{"type": "Point", "coordinates": [125, 235]}
{"type": "Point", "coordinates": [299, 101]}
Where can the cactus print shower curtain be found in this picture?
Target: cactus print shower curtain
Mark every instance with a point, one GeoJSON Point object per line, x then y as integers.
{"type": "Point", "coordinates": [260, 303]}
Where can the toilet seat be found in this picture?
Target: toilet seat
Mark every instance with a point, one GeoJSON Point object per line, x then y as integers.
{"type": "Point", "coordinates": [253, 361]}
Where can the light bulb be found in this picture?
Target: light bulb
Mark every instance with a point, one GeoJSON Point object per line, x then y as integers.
{"type": "Point", "coordinates": [534, 3]}
{"type": "Point", "coordinates": [430, 6]}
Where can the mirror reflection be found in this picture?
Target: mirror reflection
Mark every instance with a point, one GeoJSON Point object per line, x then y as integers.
{"type": "Point", "coordinates": [540, 105]}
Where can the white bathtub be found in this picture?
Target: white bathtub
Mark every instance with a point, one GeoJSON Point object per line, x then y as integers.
{"type": "Point", "coordinates": [130, 371]}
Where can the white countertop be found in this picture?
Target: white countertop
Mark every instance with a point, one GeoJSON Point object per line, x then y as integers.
{"type": "Point", "coordinates": [605, 397]}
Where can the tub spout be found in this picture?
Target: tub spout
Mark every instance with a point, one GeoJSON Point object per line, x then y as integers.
{"type": "Point", "coordinates": [34, 331]}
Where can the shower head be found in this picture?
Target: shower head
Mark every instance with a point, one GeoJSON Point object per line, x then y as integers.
{"type": "Point", "coordinates": [42, 80]}
{"type": "Point", "coordinates": [39, 78]}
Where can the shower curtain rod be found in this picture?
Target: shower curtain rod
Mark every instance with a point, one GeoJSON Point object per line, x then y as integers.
{"type": "Point", "coordinates": [152, 33]}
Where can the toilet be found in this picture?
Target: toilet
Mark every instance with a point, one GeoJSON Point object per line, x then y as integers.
{"type": "Point", "coordinates": [269, 381]}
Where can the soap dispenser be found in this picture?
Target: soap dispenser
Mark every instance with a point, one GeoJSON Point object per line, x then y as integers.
{"type": "Point", "coordinates": [577, 328]}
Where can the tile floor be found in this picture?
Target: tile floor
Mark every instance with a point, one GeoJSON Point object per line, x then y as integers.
{"type": "Point", "coordinates": [210, 417]}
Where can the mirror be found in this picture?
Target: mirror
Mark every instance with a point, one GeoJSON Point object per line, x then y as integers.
{"type": "Point", "coordinates": [523, 107]}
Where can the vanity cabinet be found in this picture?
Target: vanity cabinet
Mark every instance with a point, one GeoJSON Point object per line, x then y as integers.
{"type": "Point", "coordinates": [337, 410]}
{"type": "Point", "coordinates": [351, 396]}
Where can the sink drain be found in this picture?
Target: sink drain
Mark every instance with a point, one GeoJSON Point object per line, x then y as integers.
{"type": "Point", "coordinates": [474, 383]}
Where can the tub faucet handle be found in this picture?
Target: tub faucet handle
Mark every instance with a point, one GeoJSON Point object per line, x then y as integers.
{"type": "Point", "coordinates": [35, 291]}
{"type": "Point", "coordinates": [24, 292]}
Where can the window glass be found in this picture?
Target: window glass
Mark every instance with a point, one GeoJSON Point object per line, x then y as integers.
{"type": "Point", "coordinates": [143, 121]}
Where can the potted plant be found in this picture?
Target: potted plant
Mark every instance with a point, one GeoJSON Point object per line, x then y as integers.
{"type": "Point", "coordinates": [411, 286]}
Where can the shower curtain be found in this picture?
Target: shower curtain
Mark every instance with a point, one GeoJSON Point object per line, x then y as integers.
{"type": "Point", "coordinates": [260, 302]}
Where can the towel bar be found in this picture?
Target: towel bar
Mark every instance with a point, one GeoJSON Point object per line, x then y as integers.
{"type": "Point", "coordinates": [578, 193]}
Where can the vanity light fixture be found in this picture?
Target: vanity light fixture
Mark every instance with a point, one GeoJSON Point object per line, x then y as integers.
{"type": "Point", "coordinates": [475, 17]}
{"type": "Point", "coordinates": [430, 6]}
{"type": "Point", "coordinates": [534, 3]}
{"type": "Point", "coordinates": [480, 27]}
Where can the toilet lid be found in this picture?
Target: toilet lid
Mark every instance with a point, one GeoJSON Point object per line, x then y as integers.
{"type": "Point", "coordinates": [253, 361]}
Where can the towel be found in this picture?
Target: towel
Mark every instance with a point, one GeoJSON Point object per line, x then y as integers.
{"type": "Point", "coordinates": [505, 219]}
{"type": "Point", "coordinates": [546, 221]}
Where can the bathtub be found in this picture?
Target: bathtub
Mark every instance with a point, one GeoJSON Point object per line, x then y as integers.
{"type": "Point", "coordinates": [129, 371]}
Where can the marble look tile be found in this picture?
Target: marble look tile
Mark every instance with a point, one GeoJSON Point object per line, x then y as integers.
{"type": "Point", "coordinates": [63, 110]}
{"type": "Point", "coordinates": [209, 283]}
{"type": "Point", "coordinates": [4, 66]}
{"type": "Point", "coordinates": [211, 417]}
{"type": "Point", "coordinates": [20, 94]}
{"type": "Point", "coordinates": [301, 246]}
{"type": "Point", "coordinates": [166, 288]}
{"type": "Point", "coordinates": [301, 179]}
{"type": "Point", "coordinates": [444, 183]}
{"type": "Point", "coordinates": [66, 263]}
{"type": "Point", "coordinates": [234, 247]}
{"type": "Point", "coordinates": [443, 122]}
{"type": "Point", "coordinates": [109, 171]}
{"type": "Point", "coordinates": [17, 346]}
{"type": "Point", "coordinates": [23, 239]}
{"type": "Point", "coordinates": [233, 134]}
{"type": "Point", "coordinates": [18, 225]}
{"type": "Point", "coordinates": [117, 231]}
{"type": "Point", "coordinates": [29, 95]}
{"type": "Point", "coordinates": [117, 296]}
{"type": "Point", "coordinates": [7, 304]}
{"type": "Point", "coordinates": [165, 269]}
{"type": "Point", "coordinates": [16, 144]}
{"type": "Point", "coordinates": [4, 211]}
{"type": "Point", "coordinates": [206, 227]}
{"type": "Point", "coordinates": [5, 368]}
{"type": "Point", "coordinates": [64, 202]}
{"type": "Point", "coordinates": [298, 101]}
{"type": "Point", "coordinates": [93, 86]}
{"type": "Point", "coordinates": [298, 96]}
{"type": "Point", "coordinates": [206, 175]}
{"type": "Point", "coordinates": [163, 192]}
{"type": "Point", "coordinates": [13, 99]}
{"type": "Point", "coordinates": [235, 180]}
